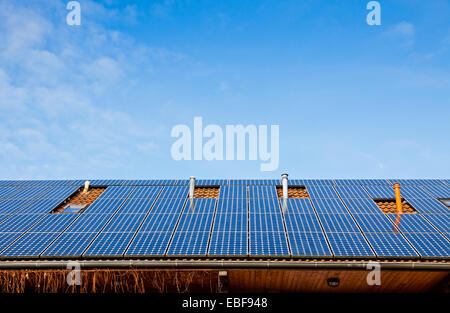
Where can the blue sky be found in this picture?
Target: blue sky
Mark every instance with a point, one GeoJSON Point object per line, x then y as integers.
{"type": "Point", "coordinates": [99, 100]}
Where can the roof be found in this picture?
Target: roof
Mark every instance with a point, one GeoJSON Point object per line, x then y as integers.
{"type": "Point", "coordinates": [323, 219]}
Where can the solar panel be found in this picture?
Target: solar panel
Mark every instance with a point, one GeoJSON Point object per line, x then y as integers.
{"type": "Point", "coordinates": [232, 206]}
{"type": "Point", "coordinates": [229, 243]}
{"type": "Point", "coordinates": [145, 192]}
{"type": "Point", "coordinates": [299, 206]}
{"type": "Point", "coordinates": [309, 244]}
{"type": "Point", "coordinates": [168, 205]}
{"type": "Point", "coordinates": [266, 222]}
{"type": "Point", "coordinates": [374, 223]}
{"type": "Point", "coordinates": [148, 182]}
{"type": "Point", "coordinates": [302, 222]}
{"type": "Point", "coordinates": [5, 192]}
{"type": "Point", "coordinates": [41, 206]}
{"type": "Point", "coordinates": [189, 243]}
{"type": "Point", "coordinates": [430, 245]}
{"type": "Point", "coordinates": [28, 193]}
{"type": "Point", "coordinates": [69, 245]}
{"type": "Point", "coordinates": [89, 223]}
{"type": "Point", "coordinates": [29, 245]}
{"type": "Point", "coordinates": [116, 192]}
{"type": "Point", "coordinates": [12, 206]}
{"type": "Point", "coordinates": [78, 182]}
{"type": "Point", "coordinates": [338, 223]}
{"type": "Point", "coordinates": [361, 182]}
{"type": "Point", "coordinates": [142, 206]}
{"type": "Point", "coordinates": [8, 182]}
{"type": "Point", "coordinates": [440, 221]}
{"type": "Point", "coordinates": [174, 192]}
{"type": "Point", "coordinates": [104, 206]}
{"type": "Point", "coordinates": [7, 238]}
{"type": "Point", "coordinates": [414, 192]}
{"type": "Point", "coordinates": [149, 244]}
{"type": "Point", "coordinates": [438, 191]}
{"type": "Point", "coordinates": [195, 221]}
{"type": "Point", "coordinates": [417, 182]}
{"type": "Point", "coordinates": [429, 205]}
{"type": "Point", "coordinates": [413, 223]}
{"type": "Point", "coordinates": [59, 192]}
{"type": "Point", "coordinates": [19, 222]}
{"type": "Point", "coordinates": [380, 192]}
{"type": "Point", "coordinates": [109, 244]}
{"type": "Point", "coordinates": [106, 182]}
{"type": "Point", "coordinates": [211, 182]}
{"type": "Point", "coordinates": [349, 245]}
{"type": "Point", "coordinates": [362, 206]}
{"type": "Point", "coordinates": [233, 192]}
{"type": "Point", "coordinates": [262, 192]}
{"type": "Point", "coordinates": [390, 245]}
{"type": "Point", "coordinates": [324, 206]}
{"type": "Point", "coordinates": [311, 182]}
{"type": "Point", "coordinates": [122, 223]}
{"type": "Point", "coordinates": [351, 192]}
{"type": "Point", "coordinates": [231, 222]}
{"type": "Point", "coordinates": [201, 205]}
{"type": "Point", "coordinates": [264, 206]}
{"type": "Point", "coordinates": [270, 244]}
{"type": "Point", "coordinates": [53, 223]}
{"type": "Point", "coordinates": [321, 192]}
{"type": "Point", "coordinates": [159, 222]}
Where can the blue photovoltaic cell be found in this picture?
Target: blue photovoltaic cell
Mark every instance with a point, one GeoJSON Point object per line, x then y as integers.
{"type": "Point", "coordinates": [19, 222]}
{"type": "Point", "coordinates": [106, 182]}
{"type": "Point", "coordinates": [380, 192]}
{"type": "Point", "coordinates": [7, 238]}
{"type": "Point", "coordinates": [324, 206]}
{"type": "Point", "coordinates": [195, 221]}
{"type": "Point", "coordinates": [310, 182]}
{"type": "Point", "coordinates": [211, 182]}
{"type": "Point", "coordinates": [351, 192]}
{"type": "Point", "coordinates": [438, 191]}
{"type": "Point", "coordinates": [174, 192]}
{"type": "Point", "coordinates": [170, 205]}
{"type": "Point", "coordinates": [412, 223]}
{"type": "Point", "coordinates": [59, 192]}
{"type": "Point", "coordinates": [183, 182]}
{"type": "Point", "coordinates": [242, 182]}
{"type": "Point", "coordinates": [362, 206]}
{"type": "Point", "coordinates": [265, 182]}
{"type": "Point", "coordinates": [266, 222]}
{"type": "Point", "coordinates": [5, 192]}
{"type": "Point", "coordinates": [321, 192]}
{"type": "Point", "coordinates": [41, 206]}
{"type": "Point", "coordinates": [361, 182]}
{"type": "Point", "coordinates": [232, 206]}
{"type": "Point", "coordinates": [299, 206]}
{"type": "Point", "coordinates": [262, 192]}
{"type": "Point", "coordinates": [53, 223]}
{"type": "Point", "coordinates": [145, 192]}
{"type": "Point", "coordinates": [430, 244]}
{"type": "Point", "coordinates": [231, 222]}
{"type": "Point", "coordinates": [116, 192]}
{"type": "Point", "coordinates": [136, 206]}
{"type": "Point", "coordinates": [149, 243]}
{"type": "Point", "coordinates": [78, 182]}
{"type": "Point", "coordinates": [189, 243]}
{"type": "Point", "coordinates": [150, 182]}
{"type": "Point", "coordinates": [43, 183]}
{"type": "Point", "coordinates": [440, 221]}
{"type": "Point", "coordinates": [200, 205]}
{"type": "Point", "coordinates": [69, 244]}
{"type": "Point", "coordinates": [414, 192]}
{"type": "Point", "coordinates": [12, 206]}
{"type": "Point", "coordinates": [228, 243]}
{"type": "Point", "coordinates": [417, 182]}
{"type": "Point", "coordinates": [429, 205]}
{"type": "Point", "coordinates": [30, 244]}
{"type": "Point", "coordinates": [374, 223]}
{"type": "Point", "coordinates": [390, 245]}
{"type": "Point", "coordinates": [349, 245]}
{"type": "Point", "coordinates": [89, 223]}
{"type": "Point", "coordinates": [268, 244]}
{"type": "Point", "coordinates": [4, 217]}
{"type": "Point", "coordinates": [28, 193]}
{"type": "Point", "coordinates": [109, 244]}
{"type": "Point", "coordinates": [8, 182]}
{"type": "Point", "coordinates": [302, 222]}
{"type": "Point", "coordinates": [338, 223]}
{"type": "Point", "coordinates": [233, 192]}
{"type": "Point", "coordinates": [104, 206]}
{"type": "Point", "coordinates": [264, 206]}
{"type": "Point", "coordinates": [308, 244]}
{"type": "Point", "coordinates": [121, 223]}
{"type": "Point", "coordinates": [160, 222]}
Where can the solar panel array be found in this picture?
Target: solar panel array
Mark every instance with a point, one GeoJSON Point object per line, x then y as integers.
{"type": "Point", "coordinates": [155, 218]}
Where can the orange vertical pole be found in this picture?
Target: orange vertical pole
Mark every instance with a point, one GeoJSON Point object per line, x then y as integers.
{"type": "Point", "coordinates": [398, 202]}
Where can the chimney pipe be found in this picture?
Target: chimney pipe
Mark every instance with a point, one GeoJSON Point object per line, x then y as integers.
{"type": "Point", "coordinates": [284, 183]}
{"type": "Point", "coordinates": [398, 198]}
{"type": "Point", "coordinates": [86, 186]}
{"type": "Point", "coordinates": [191, 187]}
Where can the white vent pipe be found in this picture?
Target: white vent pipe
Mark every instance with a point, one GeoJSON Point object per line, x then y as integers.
{"type": "Point", "coordinates": [284, 183]}
{"type": "Point", "coordinates": [191, 187]}
{"type": "Point", "coordinates": [86, 186]}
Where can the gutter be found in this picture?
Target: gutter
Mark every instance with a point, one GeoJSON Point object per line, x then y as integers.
{"type": "Point", "coordinates": [173, 264]}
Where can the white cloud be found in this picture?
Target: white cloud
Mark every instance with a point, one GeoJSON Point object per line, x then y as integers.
{"type": "Point", "coordinates": [403, 33]}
